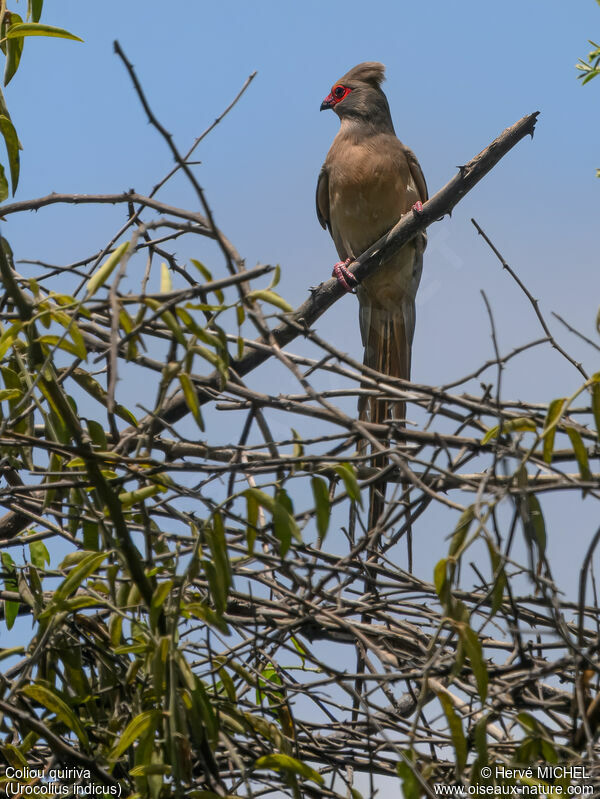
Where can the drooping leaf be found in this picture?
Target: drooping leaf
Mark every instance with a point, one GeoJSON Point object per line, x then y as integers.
{"type": "Point", "coordinates": [3, 185]}
{"type": "Point", "coordinates": [271, 297]}
{"type": "Point", "coordinates": [456, 731]}
{"type": "Point", "coordinates": [49, 699]}
{"type": "Point", "coordinates": [191, 398]}
{"type": "Point", "coordinates": [134, 730]}
{"type": "Point", "coordinates": [555, 410]}
{"type": "Point", "coordinates": [38, 29]}
{"type": "Point", "coordinates": [595, 389]}
{"type": "Point", "coordinates": [35, 10]}
{"type": "Point", "coordinates": [346, 472]}
{"type": "Point", "coordinates": [12, 148]}
{"type": "Point", "coordinates": [14, 49]}
{"type": "Point", "coordinates": [322, 505]}
{"type": "Point", "coordinates": [411, 787]}
{"type": "Point", "coordinates": [580, 453]}
{"type": "Point", "coordinates": [289, 765]}
{"type": "Point", "coordinates": [102, 274]}
{"type": "Point", "coordinates": [474, 652]}
{"type": "Point", "coordinates": [461, 530]}
{"type": "Point", "coordinates": [166, 284]}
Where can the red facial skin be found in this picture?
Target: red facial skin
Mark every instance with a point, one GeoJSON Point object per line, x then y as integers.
{"type": "Point", "coordinates": [336, 96]}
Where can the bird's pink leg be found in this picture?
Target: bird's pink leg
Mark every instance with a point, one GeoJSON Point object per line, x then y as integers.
{"type": "Point", "coordinates": [343, 275]}
{"type": "Point", "coordinates": [418, 207]}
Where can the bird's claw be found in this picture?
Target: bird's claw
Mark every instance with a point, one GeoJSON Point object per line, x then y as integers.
{"type": "Point", "coordinates": [418, 207]}
{"type": "Point", "coordinates": [344, 276]}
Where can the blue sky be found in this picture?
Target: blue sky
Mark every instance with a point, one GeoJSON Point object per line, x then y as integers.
{"type": "Point", "coordinates": [458, 74]}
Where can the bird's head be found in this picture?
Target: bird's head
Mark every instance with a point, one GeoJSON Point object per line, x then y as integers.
{"type": "Point", "coordinates": [358, 94]}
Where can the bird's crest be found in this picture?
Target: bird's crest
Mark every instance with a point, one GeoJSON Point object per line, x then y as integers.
{"type": "Point", "coordinates": [368, 72]}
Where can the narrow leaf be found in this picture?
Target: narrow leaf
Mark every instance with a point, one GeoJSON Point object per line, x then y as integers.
{"type": "Point", "coordinates": [290, 765]}
{"type": "Point", "coordinates": [474, 652]}
{"type": "Point", "coordinates": [552, 418]}
{"type": "Point", "coordinates": [100, 277]}
{"type": "Point", "coordinates": [12, 148]}
{"type": "Point", "coordinates": [346, 472]}
{"type": "Point", "coordinates": [191, 398]}
{"type": "Point", "coordinates": [580, 453]}
{"type": "Point", "coordinates": [134, 730]}
{"type": "Point", "coordinates": [38, 29]}
{"type": "Point", "coordinates": [322, 505]}
{"type": "Point", "coordinates": [55, 704]}
{"type": "Point", "coordinates": [521, 424]}
{"type": "Point", "coordinates": [456, 731]}
{"type": "Point", "coordinates": [271, 297]}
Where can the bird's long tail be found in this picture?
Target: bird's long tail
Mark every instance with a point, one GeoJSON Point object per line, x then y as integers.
{"type": "Point", "coordinates": [387, 337]}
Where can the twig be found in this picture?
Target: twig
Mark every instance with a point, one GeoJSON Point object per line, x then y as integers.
{"type": "Point", "coordinates": [532, 300]}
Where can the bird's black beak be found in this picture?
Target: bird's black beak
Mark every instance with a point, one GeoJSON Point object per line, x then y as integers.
{"type": "Point", "coordinates": [328, 102]}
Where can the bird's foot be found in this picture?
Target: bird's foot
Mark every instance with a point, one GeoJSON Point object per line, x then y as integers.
{"type": "Point", "coordinates": [417, 207]}
{"type": "Point", "coordinates": [344, 276]}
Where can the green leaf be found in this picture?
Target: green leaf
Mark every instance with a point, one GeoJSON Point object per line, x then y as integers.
{"type": "Point", "coordinates": [38, 29]}
{"type": "Point", "coordinates": [97, 434]}
{"type": "Point", "coordinates": [11, 608]}
{"type": "Point", "coordinates": [35, 9]}
{"type": "Point", "coordinates": [580, 453]}
{"type": "Point", "coordinates": [474, 652]}
{"type": "Point", "coordinates": [252, 506]}
{"type": "Point", "coordinates": [55, 704]}
{"type": "Point", "coordinates": [191, 398]}
{"type": "Point", "coordinates": [480, 741]}
{"type": "Point", "coordinates": [39, 554]}
{"type": "Point", "coordinates": [62, 344]}
{"type": "Point", "coordinates": [102, 274]}
{"type": "Point", "coordinates": [12, 148]}
{"type": "Point", "coordinates": [10, 394]}
{"type": "Point", "coordinates": [271, 297]}
{"type": "Point", "coordinates": [87, 566]}
{"type": "Point", "coordinates": [533, 522]}
{"type": "Point", "coordinates": [322, 505]}
{"type": "Point", "coordinates": [456, 731]}
{"type": "Point", "coordinates": [522, 423]}
{"type": "Point", "coordinates": [499, 576]}
{"type": "Point", "coordinates": [289, 765]}
{"type": "Point", "coordinates": [134, 730]}
{"type": "Point", "coordinates": [207, 615]}
{"type": "Point", "coordinates": [161, 593]}
{"type": "Point", "coordinates": [411, 787]}
{"type": "Point", "coordinates": [596, 403]}
{"type": "Point", "coordinates": [3, 185]}
{"type": "Point", "coordinates": [261, 497]}
{"type": "Point", "coordinates": [130, 498]}
{"type": "Point", "coordinates": [14, 48]}
{"type": "Point", "coordinates": [555, 410]}
{"type": "Point", "coordinates": [166, 284]}
{"type": "Point", "coordinates": [168, 318]}
{"type": "Point", "coordinates": [440, 580]}
{"type": "Point", "coordinates": [346, 472]}
{"type": "Point", "coordinates": [217, 543]}
{"type": "Point", "coordinates": [461, 530]}
{"type": "Point", "coordinates": [284, 524]}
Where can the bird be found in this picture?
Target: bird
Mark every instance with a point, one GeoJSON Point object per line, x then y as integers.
{"type": "Point", "coordinates": [368, 181]}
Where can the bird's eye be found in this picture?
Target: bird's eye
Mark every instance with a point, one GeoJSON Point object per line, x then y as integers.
{"type": "Point", "coordinates": [339, 92]}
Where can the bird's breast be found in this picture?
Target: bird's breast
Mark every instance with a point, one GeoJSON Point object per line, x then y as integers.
{"type": "Point", "coordinates": [367, 196]}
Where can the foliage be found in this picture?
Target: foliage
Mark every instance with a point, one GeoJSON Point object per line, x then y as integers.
{"type": "Point", "coordinates": [13, 32]}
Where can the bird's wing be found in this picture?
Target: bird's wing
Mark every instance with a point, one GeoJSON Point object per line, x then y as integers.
{"type": "Point", "coordinates": [416, 173]}
{"type": "Point", "coordinates": [323, 198]}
